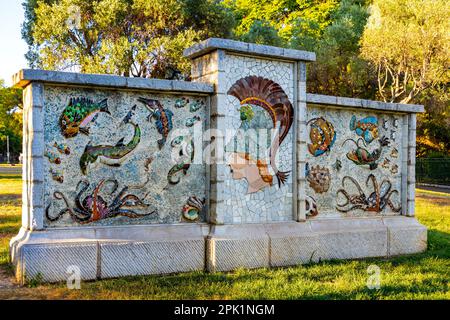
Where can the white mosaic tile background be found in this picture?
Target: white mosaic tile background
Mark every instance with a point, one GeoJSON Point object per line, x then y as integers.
{"type": "Point", "coordinates": [340, 118]}
{"type": "Point", "coordinates": [273, 203]}
{"type": "Point", "coordinates": [150, 185]}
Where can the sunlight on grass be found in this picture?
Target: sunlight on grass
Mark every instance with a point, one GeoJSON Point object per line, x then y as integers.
{"type": "Point", "coordinates": [420, 276]}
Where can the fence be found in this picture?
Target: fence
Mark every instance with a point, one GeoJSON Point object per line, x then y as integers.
{"type": "Point", "coordinates": [433, 170]}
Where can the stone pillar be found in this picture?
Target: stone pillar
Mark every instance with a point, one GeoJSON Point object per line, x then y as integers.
{"type": "Point", "coordinates": [223, 62]}
{"type": "Point", "coordinates": [33, 157]}
{"type": "Point", "coordinates": [411, 164]}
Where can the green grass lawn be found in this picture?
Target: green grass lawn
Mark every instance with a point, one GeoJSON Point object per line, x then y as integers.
{"type": "Point", "coordinates": [420, 276]}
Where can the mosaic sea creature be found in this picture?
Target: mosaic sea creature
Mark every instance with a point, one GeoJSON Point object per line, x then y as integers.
{"type": "Point", "coordinates": [94, 207]}
{"type": "Point", "coordinates": [92, 153]}
{"type": "Point", "coordinates": [181, 102]}
{"type": "Point", "coordinates": [184, 165]}
{"type": "Point", "coordinates": [319, 178]}
{"type": "Point", "coordinates": [62, 148]}
{"type": "Point", "coordinates": [53, 157]}
{"type": "Point", "coordinates": [337, 165]}
{"type": "Point", "coordinates": [366, 128]}
{"type": "Point", "coordinates": [375, 202]}
{"type": "Point", "coordinates": [57, 175]}
{"type": "Point", "coordinates": [264, 93]}
{"type": "Point", "coordinates": [192, 208]}
{"type": "Point", "coordinates": [196, 105]}
{"type": "Point", "coordinates": [386, 163]}
{"type": "Point", "coordinates": [311, 207]}
{"type": "Point", "coordinates": [394, 169]}
{"type": "Point", "coordinates": [393, 134]}
{"type": "Point", "coordinates": [191, 121]}
{"type": "Point", "coordinates": [322, 135]}
{"type": "Point", "coordinates": [147, 163]}
{"type": "Point", "coordinates": [362, 156]}
{"type": "Point", "coordinates": [395, 123]}
{"type": "Point", "coordinates": [385, 124]}
{"type": "Point", "coordinates": [394, 153]}
{"type": "Point", "coordinates": [163, 118]}
{"type": "Point", "coordinates": [78, 114]}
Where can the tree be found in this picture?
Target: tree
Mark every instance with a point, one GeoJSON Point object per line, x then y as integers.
{"type": "Point", "coordinates": [339, 69]}
{"type": "Point", "coordinates": [10, 119]}
{"type": "Point", "coordinates": [407, 42]}
{"type": "Point", "coordinates": [126, 37]}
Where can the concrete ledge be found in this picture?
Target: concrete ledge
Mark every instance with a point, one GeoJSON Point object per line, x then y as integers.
{"type": "Point", "coordinates": [212, 44]}
{"type": "Point", "coordinates": [25, 76]}
{"type": "Point", "coordinates": [362, 103]}
{"type": "Point", "coordinates": [108, 252]}
{"type": "Point", "coordinates": [105, 252]}
{"type": "Point", "coordinates": [293, 243]}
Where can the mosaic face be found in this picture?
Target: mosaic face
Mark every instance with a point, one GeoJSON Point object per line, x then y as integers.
{"type": "Point", "coordinates": [263, 104]}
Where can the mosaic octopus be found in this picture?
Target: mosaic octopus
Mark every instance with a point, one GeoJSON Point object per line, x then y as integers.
{"type": "Point", "coordinates": [377, 200]}
{"type": "Point", "coordinates": [93, 207]}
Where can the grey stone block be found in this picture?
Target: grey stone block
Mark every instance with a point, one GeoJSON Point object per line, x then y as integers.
{"type": "Point", "coordinates": [51, 261]}
{"type": "Point", "coordinates": [152, 257]}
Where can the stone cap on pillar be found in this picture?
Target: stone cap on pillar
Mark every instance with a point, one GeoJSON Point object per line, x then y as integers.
{"type": "Point", "coordinates": [253, 49]}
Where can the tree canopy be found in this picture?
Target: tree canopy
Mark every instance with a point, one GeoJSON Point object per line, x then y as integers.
{"type": "Point", "coordinates": [394, 50]}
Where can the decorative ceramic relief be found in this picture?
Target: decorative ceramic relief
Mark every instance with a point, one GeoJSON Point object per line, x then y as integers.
{"type": "Point", "coordinates": [94, 207]}
{"type": "Point", "coordinates": [367, 128]}
{"type": "Point", "coordinates": [110, 155]}
{"type": "Point", "coordinates": [322, 135]}
{"type": "Point", "coordinates": [361, 156]}
{"type": "Point", "coordinates": [163, 118]}
{"type": "Point", "coordinates": [52, 157]}
{"type": "Point", "coordinates": [57, 175]}
{"type": "Point", "coordinates": [186, 154]}
{"type": "Point", "coordinates": [319, 178]}
{"type": "Point", "coordinates": [192, 208]}
{"type": "Point", "coordinates": [78, 114]}
{"type": "Point", "coordinates": [263, 104]}
{"type": "Point", "coordinates": [311, 207]}
{"type": "Point", "coordinates": [62, 148]}
{"type": "Point", "coordinates": [375, 202]}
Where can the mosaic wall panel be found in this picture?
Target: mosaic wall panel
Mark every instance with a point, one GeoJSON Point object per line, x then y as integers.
{"type": "Point", "coordinates": [354, 163]}
{"type": "Point", "coordinates": [119, 157]}
{"type": "Point", "coordinates": [265, 197]}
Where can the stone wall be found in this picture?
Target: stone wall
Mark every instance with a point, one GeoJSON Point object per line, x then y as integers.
{"type": "Point", "coordinates": [238, 168]}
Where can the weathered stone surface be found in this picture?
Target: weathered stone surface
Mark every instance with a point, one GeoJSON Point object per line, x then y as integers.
{"type": "Point", "coordinates": [25, 76]}
{"type": "Point", "coordinates": [212, 44]}
{"type": "Point", "coordinates": [368, 104]}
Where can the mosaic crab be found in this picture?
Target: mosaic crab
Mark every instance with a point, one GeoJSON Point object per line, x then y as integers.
{"type": "Point", "coordinates": [94, 207]}
{"type": "Point", "coordinates": [375, 202]}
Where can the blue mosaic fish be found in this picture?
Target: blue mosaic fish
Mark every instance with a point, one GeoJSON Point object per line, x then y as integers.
{"type": "Point", "coordinates": [366, 128]}
{"type": "Point", "coordinates": [163, 118]}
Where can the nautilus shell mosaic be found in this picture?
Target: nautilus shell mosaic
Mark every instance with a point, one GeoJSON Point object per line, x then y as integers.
{"type": "Point", "coordinates": [353, 163]}
{"type": "Point", "coordinates": [120, 157]}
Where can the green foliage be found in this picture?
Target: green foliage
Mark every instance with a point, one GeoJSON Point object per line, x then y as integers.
{"type": "Point", "coordinates": [407, 42]}
{"type": "Point", "coordinates": [125, 37]}
{"type": "Point", "coordinates": [10, 120]}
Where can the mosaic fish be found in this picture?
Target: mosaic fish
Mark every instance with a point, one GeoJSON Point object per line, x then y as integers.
{"type": "Point", "coordinates": [366, 128]}
{"type": "Point", "coordinates": [92, 153]}
{"type": "Point", "coordinates": [53, 157]}
{"type": "Point", "coordinates": [269, 95]}
{"type": "Point", "coordinates": [78, 114]}
{"type": "Point", "coordinates": [196, 105]}
{"type": "Point", "coordinates": [181, 102]}
{"type": "Point", "coordinates": [62, 148]}
{"type": "Point", "coordinates": [322, 135]}
{"type": "Point", "coordinates": [191, 121]}
{"type": "Point", "coordinates": [163, 118]}
{"type": "Point", "coordinates": [361, 156]}
{"type": "Point", "coordinates": [57, 175]}
{"type": "Point", "coordinates": [180, 167]}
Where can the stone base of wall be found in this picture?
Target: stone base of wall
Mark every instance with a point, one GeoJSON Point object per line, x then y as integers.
{"type": "Point", "coordinates": [137, 250]}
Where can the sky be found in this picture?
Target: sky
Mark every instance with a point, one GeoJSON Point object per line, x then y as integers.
{"type": "Point", "coordinates": [12, 48]}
